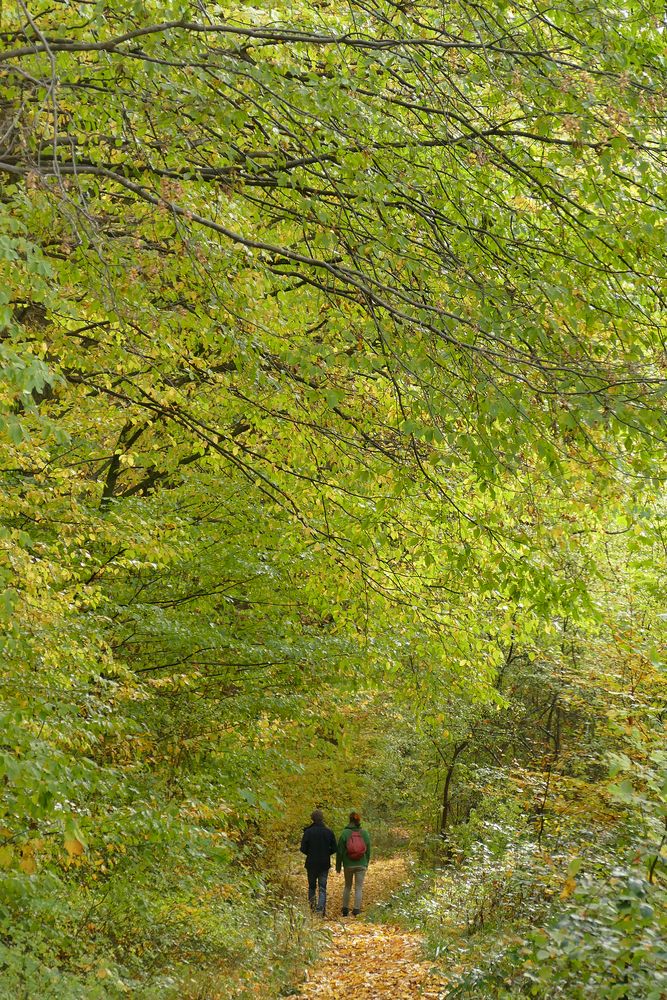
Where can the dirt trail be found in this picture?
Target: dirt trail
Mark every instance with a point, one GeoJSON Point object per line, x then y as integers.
{"type": "Point", "coordinates": [371, 961]}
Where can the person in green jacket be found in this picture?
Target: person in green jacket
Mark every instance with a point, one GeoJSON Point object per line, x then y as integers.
{"type": "Point", "coordinates": [353, 854]}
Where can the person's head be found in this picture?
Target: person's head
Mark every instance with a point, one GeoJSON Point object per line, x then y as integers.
{"type": "Point", "coordinates": [317, 816]}
{"type": "Point", "coordinates": [355, 818]}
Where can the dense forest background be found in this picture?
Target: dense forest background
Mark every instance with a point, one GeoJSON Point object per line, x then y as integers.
{"type": "Point", "coordinates": [332, 438]}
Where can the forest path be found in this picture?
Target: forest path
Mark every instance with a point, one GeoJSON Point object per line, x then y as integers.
{"type": "Point", "coordinates": [371, 961]}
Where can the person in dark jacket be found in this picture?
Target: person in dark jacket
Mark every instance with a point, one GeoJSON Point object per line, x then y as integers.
{"type": "Point", "coordinates": [353, 862]}
{"type": "Point", "coordinates": [318, 844]}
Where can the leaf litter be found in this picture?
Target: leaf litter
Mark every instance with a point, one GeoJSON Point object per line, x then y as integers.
{"type": "Point", "coordinates": [371, 961]}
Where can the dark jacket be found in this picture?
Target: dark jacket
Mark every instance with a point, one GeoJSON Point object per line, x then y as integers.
{"type": "Point", "coordinates": [318, 844]}
{"type": "Point", "coordinates": [342, 857]}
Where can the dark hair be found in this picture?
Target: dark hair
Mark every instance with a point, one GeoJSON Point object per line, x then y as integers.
{"type": "Point", "coordinates": [317, 816]}
{"type": "Point", "coordinates": [355, 817]}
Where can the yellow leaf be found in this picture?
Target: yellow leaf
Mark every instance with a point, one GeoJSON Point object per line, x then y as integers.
{"type": "Point", "coordinates": [73, 846]}
{"type": "Point", "coordinates": [568, 888]}
{"type": "Point", "coordinates": [27, 863]}
{"type": "Point", "coordinates": [6, 855]}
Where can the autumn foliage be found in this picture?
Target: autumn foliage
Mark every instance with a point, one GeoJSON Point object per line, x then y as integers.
{"type": "Point", "coordinates": [332, 422]}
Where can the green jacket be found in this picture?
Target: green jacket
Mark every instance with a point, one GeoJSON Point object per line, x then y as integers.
{"type": "Point", "coordinates": [342, 858]}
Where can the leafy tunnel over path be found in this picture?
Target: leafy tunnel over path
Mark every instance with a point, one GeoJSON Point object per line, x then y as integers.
{"type": "Point", "coordinates": [332, 461]}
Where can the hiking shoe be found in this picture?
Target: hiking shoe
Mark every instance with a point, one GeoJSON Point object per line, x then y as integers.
{"type": "Point", "coordinates": [355, 913]}
{"type": "Point", "coordinates": [345, 911]}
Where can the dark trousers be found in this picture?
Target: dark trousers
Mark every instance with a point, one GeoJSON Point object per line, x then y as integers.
{"type": "Point", "coordinates": [318, 880]}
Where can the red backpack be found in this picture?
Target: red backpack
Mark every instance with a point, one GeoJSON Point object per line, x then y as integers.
{"type": "Point", "coordinates": [355, 846]}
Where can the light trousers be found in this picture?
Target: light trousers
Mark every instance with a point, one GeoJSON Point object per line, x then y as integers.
{"type": "Point", "coordinates": [358, 874]}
